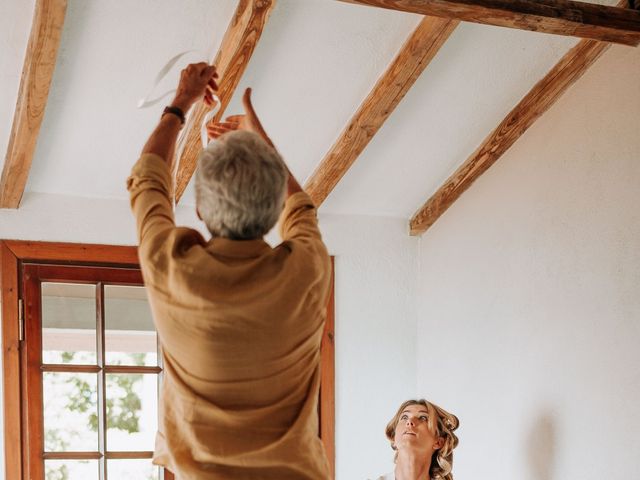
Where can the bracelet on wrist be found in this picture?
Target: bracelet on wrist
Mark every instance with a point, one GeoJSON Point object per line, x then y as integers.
{"type": "Point", "coordinates": [174, 111]}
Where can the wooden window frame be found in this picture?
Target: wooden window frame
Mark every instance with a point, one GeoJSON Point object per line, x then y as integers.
{"type": "Point", "coordinates": [13, 254]}
{"type": "Point", "coordinates": [33, 368]}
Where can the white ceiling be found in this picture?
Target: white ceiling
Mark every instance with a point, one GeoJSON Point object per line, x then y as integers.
{"type": "Point", "coordinates": [316, 61]}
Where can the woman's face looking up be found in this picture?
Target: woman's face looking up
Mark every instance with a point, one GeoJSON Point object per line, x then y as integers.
{"type": "Point", "coordinates": [412, 431]}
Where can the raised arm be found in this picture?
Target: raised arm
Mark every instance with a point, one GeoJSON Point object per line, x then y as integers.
{"type": "Point", "coordinates": [149, 184]}
{"type": "Point", "coordinates": [196, 81]}
{"type": "Point", "coordinates": [250, 121]}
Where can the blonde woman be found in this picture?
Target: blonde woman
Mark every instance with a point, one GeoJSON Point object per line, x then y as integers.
{"type": "Point", "coordinates": [421, 434]}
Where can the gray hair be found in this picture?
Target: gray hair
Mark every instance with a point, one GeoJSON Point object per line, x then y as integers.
{"type": "Point", "coordinates": [240, 186]}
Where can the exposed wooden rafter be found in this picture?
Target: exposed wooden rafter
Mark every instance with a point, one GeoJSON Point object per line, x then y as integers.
{"type": "Point", "coordinates": [233, 56]}
{"type": "Point", "coordinates": [417, 52]}
{"type": "Point", "coordinates": [535, 103]}
{"type": "Point", "coordinates": [37, 72]}
{"type": "Point", "coordinates": [561, 17]}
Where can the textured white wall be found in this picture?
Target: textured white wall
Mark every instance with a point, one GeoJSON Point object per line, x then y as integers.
{"type": "Point", "coordinates": [61, 218]}
{"type": "Point", "coordinates": [376, 273]}
{"type": "Point", "coordinates": [529, 304]}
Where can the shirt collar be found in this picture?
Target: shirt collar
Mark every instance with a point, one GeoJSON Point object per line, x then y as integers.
{"type": "Point", "coordinates": [238, 248]}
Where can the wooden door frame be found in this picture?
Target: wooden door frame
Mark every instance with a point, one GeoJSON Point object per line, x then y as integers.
{"type": "Point", "coordinates": [13, 253]}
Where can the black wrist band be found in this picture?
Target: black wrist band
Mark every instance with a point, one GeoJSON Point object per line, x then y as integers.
{"type": "Point", "coordinates": [175, 111]}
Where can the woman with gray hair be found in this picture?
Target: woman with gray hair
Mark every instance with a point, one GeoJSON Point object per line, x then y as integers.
{"type": "Point", "coordinates": [421, 433]}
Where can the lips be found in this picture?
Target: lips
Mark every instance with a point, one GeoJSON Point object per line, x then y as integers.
{"type": "Point", "coordinates": [409, 432]}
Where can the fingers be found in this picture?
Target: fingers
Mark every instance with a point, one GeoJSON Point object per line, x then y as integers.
{"type": "Point", "coordinates": [197, 68]}
{"type": "Point", "coordinates": [234, 118]}
{"type": "Point", "coordinates": [203, 70]}
{"type": "Point", "coordinates": [209, 100]}
{"type": "Point", "coordinates": [215, 130]}
{"type": "Point", "coordinates": [246, 101]}
{"type": "Point", "coordinates": [213, 134]}
{"type": "Point", "coordinates": [209, 71]}
{"type": "Point", "coordinates": [225, 126]}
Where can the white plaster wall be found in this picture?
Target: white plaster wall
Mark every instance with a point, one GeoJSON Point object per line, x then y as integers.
{"type": "Point", "coordinates": [376, 271]}
{"type": "Point", "coordinates": [529, 302]}
{"type": "Point", "coordinates": [62, 218]}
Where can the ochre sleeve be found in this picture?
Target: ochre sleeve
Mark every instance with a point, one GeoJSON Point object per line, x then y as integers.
{"type": "Point", "coordinates": [300, 233]}
{"type": "Point", "coordinates": [299, 220]}
{"type": "Point", "coordinates": [150, 194]}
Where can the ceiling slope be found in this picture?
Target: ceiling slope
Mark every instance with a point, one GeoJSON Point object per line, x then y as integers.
{"type": "Point", "coordinates": [539, 99]}
{"type": "Point", "coordinates": [418, 51]}
{"type": "Point", "coordinates": [37, 72]}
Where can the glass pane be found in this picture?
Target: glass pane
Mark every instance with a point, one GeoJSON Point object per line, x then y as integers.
{"type": "Point", "coordinates": [130, 333]}
{"type": "Point", "coordinates": [132, 412]}
{"type": "Point", "coordinates": [68, 323]}
{"type": "Point", "coordinates": [70, 412]}
{"type": "Point", "coordinates": [71, 469]}
{"type": "Point", "coordinates": [132, 469]}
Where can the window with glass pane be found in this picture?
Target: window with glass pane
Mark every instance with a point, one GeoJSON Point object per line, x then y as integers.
{"type": "Point", "coordinates": [130, 335]}
{"type": "Point", "coordinates": [68, 323]}
{"type": "Point", "coordinates": [70, 411]}
{"type": "Point", "coordinates": [98, 376]}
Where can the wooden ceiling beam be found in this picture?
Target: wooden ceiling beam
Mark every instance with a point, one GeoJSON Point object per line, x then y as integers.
{"type": "Point", "coordinates": [417, 52]}
{"type": "Point", "coordinates": [37, 72]}
{"type": "Point", "coordinates": [560, 17]}
{"type": "Point", "coordinates": [534, 104]}
{"type": "Point", "coordinates": [238, 45]}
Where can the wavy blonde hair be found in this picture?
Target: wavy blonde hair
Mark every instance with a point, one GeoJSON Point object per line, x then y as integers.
{"type": "Point", "coordinates": [442, 424]}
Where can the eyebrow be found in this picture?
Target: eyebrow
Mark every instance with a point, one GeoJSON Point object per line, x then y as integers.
{"type": "Point", "coordinates": [419, 411]}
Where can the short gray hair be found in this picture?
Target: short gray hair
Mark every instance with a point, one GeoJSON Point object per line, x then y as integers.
{"type": "Point", "coordinates": [240, 186]}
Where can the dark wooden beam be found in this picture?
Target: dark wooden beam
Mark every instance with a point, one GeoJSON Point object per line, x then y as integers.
{"type": "Point", "coordinates": [560, 17]}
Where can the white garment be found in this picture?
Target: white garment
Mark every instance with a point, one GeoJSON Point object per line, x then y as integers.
{"type": "Point", "coordinates": [388, 476]}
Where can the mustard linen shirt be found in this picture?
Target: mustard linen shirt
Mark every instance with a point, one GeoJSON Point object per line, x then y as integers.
{"type": "Point", "coordinates": [240, 324]}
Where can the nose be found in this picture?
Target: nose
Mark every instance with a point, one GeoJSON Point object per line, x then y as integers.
{"type": "Point", "coordinates": [410, 422]}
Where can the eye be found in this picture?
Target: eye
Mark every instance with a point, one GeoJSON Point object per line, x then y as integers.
{"type": "Point", "coordinates": [423, 418]}
{"type": "Point", "coordinates": [404, 417]}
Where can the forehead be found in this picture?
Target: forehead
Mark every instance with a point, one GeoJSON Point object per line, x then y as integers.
{"type": "Point", "coordinates": [415, 409]}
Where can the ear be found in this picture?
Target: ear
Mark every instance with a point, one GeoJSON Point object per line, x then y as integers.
{"type": "Point", "coordinates": [439, 443]}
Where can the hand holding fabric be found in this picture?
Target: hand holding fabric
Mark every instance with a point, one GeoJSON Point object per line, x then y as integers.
{"type": "Point", "coordinates": [196, 81]}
